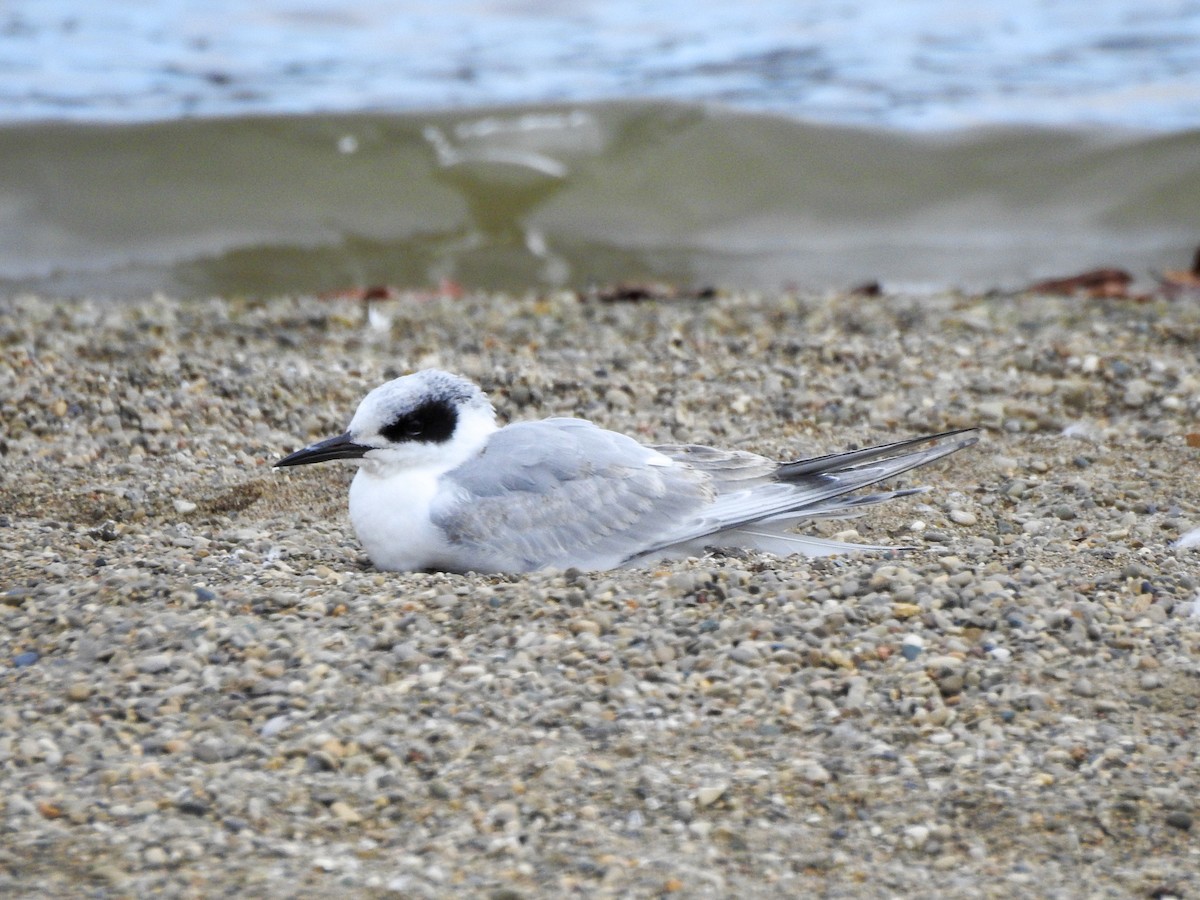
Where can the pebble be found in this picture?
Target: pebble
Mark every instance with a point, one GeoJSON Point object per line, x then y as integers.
{"type": "Point", "coordinates": [963, 517]}
{"type": "Point", "coordinates": [1180, 819]}
{"type": "Point", "coordinates": [344, 812]}
{"type": "Point", "coordinates": [1084, 687]}
{"type": "Point", "coordinates": [709, 794]}
{"type": "Point", "coordinates": [916, 837]}
{"type": "Point", "coordinates": [210, 750]}
{"type": "Point", "coordinates": [911, 646]}
{"type": "Point", "coordinates": [814, 773]}
{"type": "Point", "coordinates": [79, 691]}
{"type": "Point", "coordinates": [235, 699]}
{"type": "Point", "coordinates": [154, 663]}
{"type": "Point", "coordinates": [1150, 680]}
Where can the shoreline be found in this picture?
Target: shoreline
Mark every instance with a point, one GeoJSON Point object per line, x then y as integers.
{"type": "Point", "coordinates": [830, 205]}
{"type": "Point", "coordinates": [207, 689]}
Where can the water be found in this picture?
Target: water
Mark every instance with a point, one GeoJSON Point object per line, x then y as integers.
{"type": "Point", "coordinates": [301, 145]}
{"type": "Point", "coordinates": [910, 64]}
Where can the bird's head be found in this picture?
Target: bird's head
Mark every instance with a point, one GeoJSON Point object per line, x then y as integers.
{"type": "Point", "coordinates": [427, 419]}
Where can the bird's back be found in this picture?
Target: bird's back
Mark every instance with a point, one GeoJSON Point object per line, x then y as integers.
{"type": "Point", "coordinates": [561, 493]}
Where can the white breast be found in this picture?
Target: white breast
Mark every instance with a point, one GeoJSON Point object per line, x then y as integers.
{"type": "Point", "coordinates": [391, 517]}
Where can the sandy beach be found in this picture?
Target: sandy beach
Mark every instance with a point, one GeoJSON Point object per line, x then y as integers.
{"type": "Point", "coordinates": [206, 690]}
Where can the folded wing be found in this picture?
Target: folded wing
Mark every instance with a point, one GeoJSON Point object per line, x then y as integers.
{"type": "Point", "coordinates": [562, 492]}
{"type": "Point", "coordinates": [813, 488]}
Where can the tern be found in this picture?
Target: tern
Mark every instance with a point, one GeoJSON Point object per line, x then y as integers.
{"type": "Point", "coordinates": [440, 486]}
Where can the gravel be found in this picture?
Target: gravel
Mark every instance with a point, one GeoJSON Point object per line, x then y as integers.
{"type": "Point", "coordinates": [205, 690]}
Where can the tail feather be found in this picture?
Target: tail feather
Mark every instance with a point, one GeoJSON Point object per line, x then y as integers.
{"type": "Point", "coordinates": [815, 489]}
{"type": "Point", "coordinates": [834, 462]}
{"type": "Point", "coordinates": [846, 507]}
{"type": "Point", "coordinates": [783, 543]}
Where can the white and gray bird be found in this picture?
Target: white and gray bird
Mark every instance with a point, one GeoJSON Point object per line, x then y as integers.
{"type": "Point", "coordinates": [441, 486]}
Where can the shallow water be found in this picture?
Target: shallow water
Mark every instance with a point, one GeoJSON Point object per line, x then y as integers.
{"type": "Point", "coordinates": [578, 195]}
{"type": "Point", "coordinates": [287, 145]}
{"type": "Point", "coordinates": [917, 64]}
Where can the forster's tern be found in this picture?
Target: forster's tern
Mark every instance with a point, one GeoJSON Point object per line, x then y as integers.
{"type": "Point", "coordinates": [440, 486]}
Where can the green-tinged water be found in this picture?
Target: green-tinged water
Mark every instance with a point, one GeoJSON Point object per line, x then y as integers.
{"type": "Point", "coordinates": [578, 195]}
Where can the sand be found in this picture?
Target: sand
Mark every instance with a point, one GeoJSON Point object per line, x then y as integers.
{"type": "Point", "coordinates": [206, 690]}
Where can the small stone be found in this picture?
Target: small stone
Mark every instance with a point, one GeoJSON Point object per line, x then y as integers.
{"type": "Point", "coordinates": [210, 750]}
{"type": "Point", "coordinates": [154, 664]}
{"type": "Point", "coordinates": [962, 517]}
{"type": "Point", "coordinates": [1137, 392]}
{"type": "Point", "coordinates": [183, 507]}
{"type": "Point", "coordinates": [1177, 818]}
{"type": "Point", "coordinates": [23, 660]}
{"type": "Point", "coordinates": [746, 654]}
{"type": "Point", "coordinates": [78, 691]}
{"type": "Point", "coordinates": [320, 761]}
{"type": "Point", "coordinates": [701, 828]}
{"type": "Point", "coordinates": [15, 597]}
{"type": "Point", "coordinates": [155, 857]}
{"type": "Point", "coordinates": [1005, 464]}
{"type": "Point", "coordinates": [504, 814]}
{"type": "Point", "coordinates": [274, 725]}
{"type": "Point", "coordinates": [951, 685]}
{"type": "Point", "coordinates": [905, 610]}
{"type": "Point", "coordinates": [1083, 687]}
{"type": "Point", "coordinates": [990, 412]}
{"type": "Point", "coordinates": [193, 806]}
{"type": "Point", "coordinates": [814, 773]}
{"type": "Point", "coordinates": [944, 664]}
{"type": "Point", "coordinates": [345, 812]}
{"type": "Point", "coordinates": [912, 646]}
{"type": "Point", "coordinates": [916, 836]}
{"type": "Point", "coordinates": [710, 794]}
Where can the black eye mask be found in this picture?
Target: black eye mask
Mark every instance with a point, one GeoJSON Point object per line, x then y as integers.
{"type": "Point", "coordinates": [431, 423]}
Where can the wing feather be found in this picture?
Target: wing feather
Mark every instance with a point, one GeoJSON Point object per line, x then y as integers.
{"type": "Point", "coordinates": [563, 492]}
{"type": "Point", "coordinates": [817, 488]}
{"type": "Point", "coordinates": [729, 469]}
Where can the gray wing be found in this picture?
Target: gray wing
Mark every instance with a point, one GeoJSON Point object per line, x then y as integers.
{"type": "Point", "coordinates": [563, 492]}
{"type": "Point", "coordinates": [818, 487]}
{"type": "Point", "coordinates": [728, 469]}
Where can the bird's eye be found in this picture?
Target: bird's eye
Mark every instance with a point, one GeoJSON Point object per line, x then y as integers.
{"type": "Point", "coordinates": [431, 422]}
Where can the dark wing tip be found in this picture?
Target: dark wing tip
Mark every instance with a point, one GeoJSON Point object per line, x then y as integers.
{"type": "Point", "coordinates": [830, 461]}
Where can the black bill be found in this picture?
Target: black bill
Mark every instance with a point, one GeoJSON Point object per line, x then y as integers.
{"type": "Point", "coordinates": [340, 447]}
